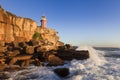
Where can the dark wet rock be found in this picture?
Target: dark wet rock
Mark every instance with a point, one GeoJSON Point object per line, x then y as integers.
{"type": "Point", "coordinates": [52, 52]}
{"type": "Point", "coordinates": [81, 55]}
{"type": "Point", "coordinates": [43, 56]}
{"type": "Point", "coordinates": [72, 54]}
{"type": "Point", "coordinates": [65, 47]}
{"type": "Point", "coordinates": [65, 55]}
{"type": "Point", "coordinates": [68, 46]}
{"type": "Point", "coordinates": [39, 56]}
{"type": "Point", "coordinates": [61, 48]}
{"type": "Point", "coordinates": [62, 72]}
{"type": "Point", "coordinates": [37, 62]}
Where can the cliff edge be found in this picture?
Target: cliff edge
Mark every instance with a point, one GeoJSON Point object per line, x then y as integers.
{"type": "Point", "coordinates": [19, 29]}
{"type": "Point", "coordinates": [12, 26]}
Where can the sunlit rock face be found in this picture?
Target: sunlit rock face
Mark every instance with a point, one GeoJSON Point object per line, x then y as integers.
{"type": "Point", "coordinates": [50, 38]}
{"type": "Point", "coordinates": [12, 26]}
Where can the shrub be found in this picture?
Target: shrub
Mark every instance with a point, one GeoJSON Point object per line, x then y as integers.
{"type": "Point", "coordinates": [37, 36]}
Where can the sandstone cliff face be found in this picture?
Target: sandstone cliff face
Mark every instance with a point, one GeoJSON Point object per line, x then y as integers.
{"type": "Point", "coordinates": [50, 38]}
{"type": "Point", "coordinates": [12, 26]}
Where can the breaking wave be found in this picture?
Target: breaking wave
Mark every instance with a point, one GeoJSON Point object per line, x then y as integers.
{"type": "Point", "coordinates": [95, 55]}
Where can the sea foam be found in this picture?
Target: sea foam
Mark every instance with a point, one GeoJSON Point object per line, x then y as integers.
{"type": "Point", "coordinates": [95, 56]}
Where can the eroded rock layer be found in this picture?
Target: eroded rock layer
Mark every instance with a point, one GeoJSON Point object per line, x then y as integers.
{"type": "Point", "coordinates": [12, 26]}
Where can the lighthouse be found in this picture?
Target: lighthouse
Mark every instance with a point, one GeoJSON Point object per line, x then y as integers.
{"type": "Point", "coordinates": [43, 22]}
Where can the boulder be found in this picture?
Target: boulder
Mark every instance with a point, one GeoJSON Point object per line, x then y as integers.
{"type": "Point", "coordinates": [5, 75]}
{"type": "Point", "coordinates": [10, 48]}
{"type": "Point", "coordinates": [29, 50]}
{"type": "Point", "coordinates": [16, 44]}
{"type": "Point", "coordinates": [19, 58]}
{"type": "Point", "coordinates": [3, 49]}
{"type": "Point", "coordinates": [68, 46]}
{"type": "Point", "coordinates": [59, 43]}
{"type": "Point", "coordinates": [2, 43]}
{"type": "Point", "coordinates": [12, 68]}
{"type": "Point", "coordinates": [1, 54]}
{"type": "Point", "coordinates": [22, 44]}
{"type": "Point", "coordinates": [65, 54]}
{"type": "Point", "coordinates": [41, 56]}
{"type": "Point", "coordinates": [33, 42]}
{"type": "Point", "coordinates": [13, 53]}
{"type": "Point", "coordinates": [62, 72]}
{"type": "Point", "coordinates": [25, 63]}
{"type": "Point", "coordinates": [2, 67]}
{"type": "Point", "coordinates": [41, 49]}
{"type": "Point", "coordinates": [72, 54]}
{"type": "Point", "coordinates": [37, 62]}
{"type": "Point", "coordinates": [38, 49]}
{"type": "Point", "coordinates": [81, 55]}
{"type": "Point", "coordinates": [54, 60]}
{"type": "Point", "coordinates": [2, 61]}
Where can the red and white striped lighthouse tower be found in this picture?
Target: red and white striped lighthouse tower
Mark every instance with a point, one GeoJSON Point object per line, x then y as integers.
{"type": "Point", "coordinates": [43, 22]}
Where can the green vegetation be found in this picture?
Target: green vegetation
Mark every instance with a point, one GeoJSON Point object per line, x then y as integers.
{"type": "Point", "coordinates": [37, 36]}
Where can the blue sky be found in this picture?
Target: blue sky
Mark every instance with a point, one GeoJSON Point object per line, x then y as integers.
{"type": "Point", "coordinates": [79, 22]}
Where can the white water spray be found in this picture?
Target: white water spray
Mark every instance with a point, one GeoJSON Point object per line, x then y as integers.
{"type": "Point", "coordinates": [95, 57]}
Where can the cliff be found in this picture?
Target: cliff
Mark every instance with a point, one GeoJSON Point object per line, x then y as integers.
{"type": "Point", "coordinates": [49, 37]}
{"type": "Point", "coordinates": [18, 29]}
{"type": "Point", "coordinates": [12, 26]}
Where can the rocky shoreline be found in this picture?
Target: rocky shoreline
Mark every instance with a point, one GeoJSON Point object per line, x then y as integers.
{"type": "Point", "coordinates": [17, 56]}
{"type": "Point", "coordinates": [26, 53]}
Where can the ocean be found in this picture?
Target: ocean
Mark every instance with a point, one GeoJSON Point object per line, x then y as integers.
{"type": "Point", "coordinates": [103, 64]}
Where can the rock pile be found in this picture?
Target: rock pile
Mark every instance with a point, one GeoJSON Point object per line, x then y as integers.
{"type": "Point", "coordinates": [62, 72]}
{"type": "Point", "coordinates": [26, 53]}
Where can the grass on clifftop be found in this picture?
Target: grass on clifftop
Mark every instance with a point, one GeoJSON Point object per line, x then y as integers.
{"type": "Point", "coordinates": [37, 36]}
